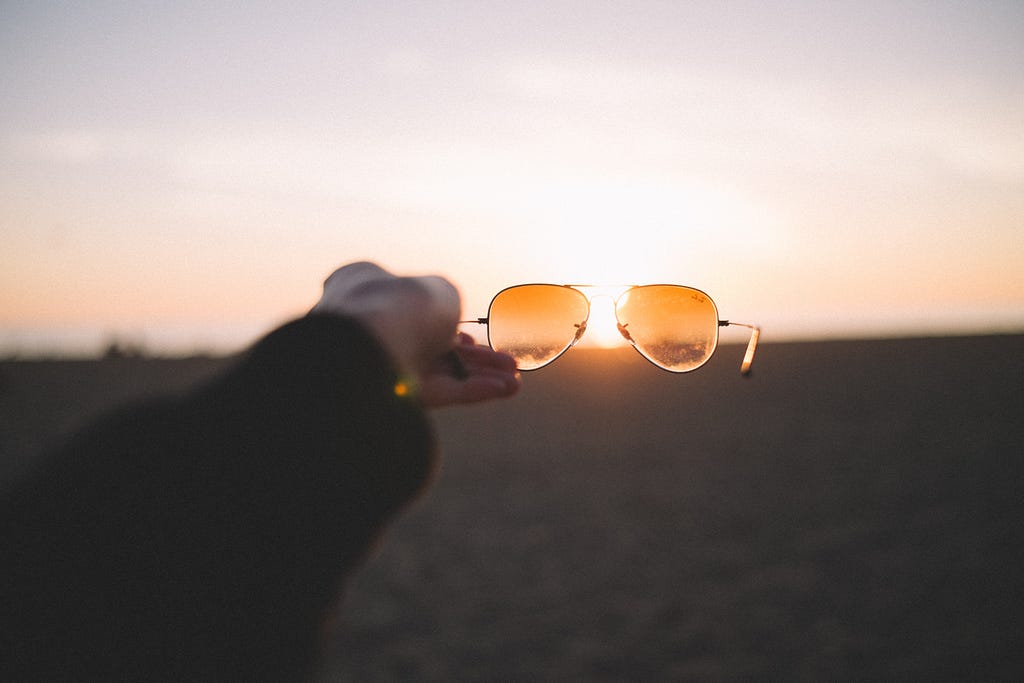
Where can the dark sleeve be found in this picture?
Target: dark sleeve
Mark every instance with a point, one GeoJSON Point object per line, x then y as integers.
{"type": "Point", "coordinates": [208, 536]}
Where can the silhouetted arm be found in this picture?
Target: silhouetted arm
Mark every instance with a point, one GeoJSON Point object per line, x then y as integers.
{"type": "Point", "coordinates": [207, 536]}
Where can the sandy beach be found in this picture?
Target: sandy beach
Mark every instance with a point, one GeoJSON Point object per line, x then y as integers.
{"type": "Point", "coordinates": [852, 511]}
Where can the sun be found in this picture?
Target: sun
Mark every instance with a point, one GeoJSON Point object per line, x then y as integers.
{"type": "Point", "coordinates": [602, 325]}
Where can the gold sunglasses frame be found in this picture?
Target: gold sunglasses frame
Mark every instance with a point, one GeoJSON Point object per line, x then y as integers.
{"type": "Point", "coordinates": [748, 356]}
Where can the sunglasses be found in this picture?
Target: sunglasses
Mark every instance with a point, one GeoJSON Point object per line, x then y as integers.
{"type": "Point", "coordinates": [674, 327]}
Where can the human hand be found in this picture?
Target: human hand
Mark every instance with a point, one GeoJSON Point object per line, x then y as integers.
{"type": "Point", "coordinates": [415, 318]}
{"type": "Point", "coordinates": [480, 374]}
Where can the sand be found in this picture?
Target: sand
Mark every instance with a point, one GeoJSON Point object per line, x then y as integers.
{"type": "Point", "coordinates": [853, 511]}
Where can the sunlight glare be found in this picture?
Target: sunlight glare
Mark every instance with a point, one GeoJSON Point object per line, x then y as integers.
{"type": "Point", "coordinates": [602, 329]}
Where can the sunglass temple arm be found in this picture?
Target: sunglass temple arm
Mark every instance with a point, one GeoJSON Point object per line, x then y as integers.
{"type": "Point", "coordinates": [748, 357]}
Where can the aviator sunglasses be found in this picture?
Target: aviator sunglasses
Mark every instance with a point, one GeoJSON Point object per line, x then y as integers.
{"type": "Point", "coordinates": [674, 327]}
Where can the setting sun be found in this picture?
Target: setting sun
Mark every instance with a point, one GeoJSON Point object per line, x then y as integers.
{"type": "Point", "coordinates": [602, 329]}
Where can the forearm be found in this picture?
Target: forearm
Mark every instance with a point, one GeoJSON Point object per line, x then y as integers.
{"type": "Point", "coordinates": [227, 518]}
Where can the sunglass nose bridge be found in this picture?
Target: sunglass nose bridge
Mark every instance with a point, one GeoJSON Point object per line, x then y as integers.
{"type": "Point", "coordinates": [580, 329]}
{"type": "Point", "coordinates": [601, 317]}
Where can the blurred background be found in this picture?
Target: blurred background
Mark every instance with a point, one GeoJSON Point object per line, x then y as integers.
{"type": "Point", "coordinates": [178, 178]}
{"type": "Point", "coordinates": [184, 175]}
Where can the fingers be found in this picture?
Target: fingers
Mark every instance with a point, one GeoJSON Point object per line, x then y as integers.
{"type": "Point", "coordinates": [488, 375]}
{"type": "Point", "coordinates": [472, 353]}
{"type": "Point", "coordinates": [440, 391]}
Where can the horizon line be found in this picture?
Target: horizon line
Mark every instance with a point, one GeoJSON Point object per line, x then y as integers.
{"type": "Point", "coordinates": [96, 343]}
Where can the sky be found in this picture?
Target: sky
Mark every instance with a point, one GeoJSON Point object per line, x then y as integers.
{"type": "Point", "coordinates": [184, 175]}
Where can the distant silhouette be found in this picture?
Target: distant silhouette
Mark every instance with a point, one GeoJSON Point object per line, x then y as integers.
{"type": "Point", "coordinates": [207, 537]}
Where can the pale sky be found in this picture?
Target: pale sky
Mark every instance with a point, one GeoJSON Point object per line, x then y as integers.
{"type": "Point", "coordinates": [186, 174]}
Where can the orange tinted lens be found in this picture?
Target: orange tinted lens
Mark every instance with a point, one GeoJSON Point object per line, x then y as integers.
{"type": "Point", "coordinates": [676, 328]}
{"type": "Point", "coordinates": [535, 323]}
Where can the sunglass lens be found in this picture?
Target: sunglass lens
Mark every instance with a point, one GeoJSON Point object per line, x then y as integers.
{"type": "Point", "coordinates": [536, 323]}
{"type": "Point", "coordinates": [676, 328]}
